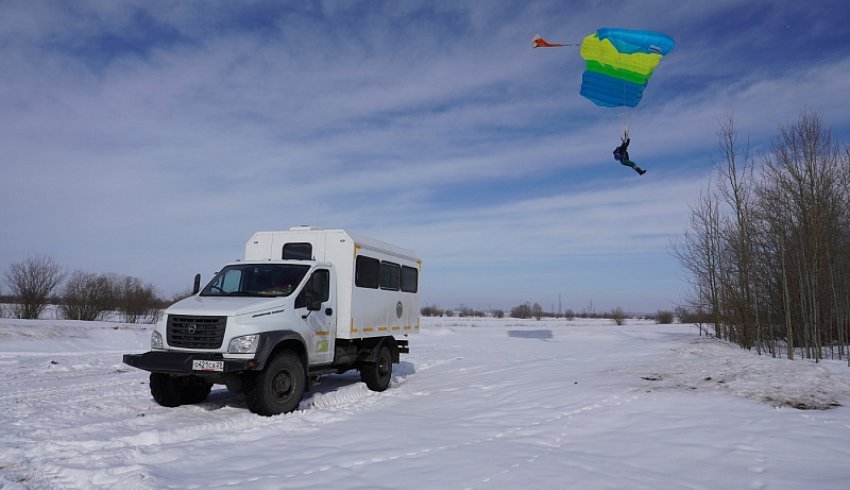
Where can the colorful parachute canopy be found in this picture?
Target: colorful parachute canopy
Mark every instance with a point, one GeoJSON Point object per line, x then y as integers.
{"type": "Point", "coordinates": [619, 64]}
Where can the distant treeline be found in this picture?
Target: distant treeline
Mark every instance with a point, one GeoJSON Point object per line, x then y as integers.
{"type": "Point", "coordinates": [768, 244]}
{"type": "Point", "coordinates": [528, 310]}
{"type": "Point", "coordinates": [39, 281]}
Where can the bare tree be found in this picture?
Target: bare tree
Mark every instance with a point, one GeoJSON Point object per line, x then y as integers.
{"type": "Point", "coordinates": [699, 252]}
{"type": "Point", "coordinates": [137, 302]}
{"type": "Point", "coordinates": [736, 185]}
{"type": "Point", "coordinates": [432, 310]}
{"type": "Point", "coordinates": [664, 317]}
{"type": "Point", "coordinates": [89, 296]}
{"type": "Point", "coordinates": [618, 315]}
{"type": "Point", "coordinates": [32, 281]}
{"type": "Point", "coordinates": [521, 311]}
{"type": "Point", "coordinates": [537, 311]}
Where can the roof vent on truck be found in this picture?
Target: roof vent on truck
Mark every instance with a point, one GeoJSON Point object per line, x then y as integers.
{"type": "Point", "coordinates": [303, 228]}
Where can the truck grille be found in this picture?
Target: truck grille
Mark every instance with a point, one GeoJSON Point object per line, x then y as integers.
{"type": "Point", "coordinates": [195, 332]}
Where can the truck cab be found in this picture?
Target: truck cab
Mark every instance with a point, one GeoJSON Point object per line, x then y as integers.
{"type": "Point", "coordinates": [269, 325]}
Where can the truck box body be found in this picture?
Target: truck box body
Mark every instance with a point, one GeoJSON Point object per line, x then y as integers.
{"type": "Point", "coordinates": [366, 308]}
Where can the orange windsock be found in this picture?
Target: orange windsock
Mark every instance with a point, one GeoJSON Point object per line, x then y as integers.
{"type": "Point", "coordinates": [539, 42]}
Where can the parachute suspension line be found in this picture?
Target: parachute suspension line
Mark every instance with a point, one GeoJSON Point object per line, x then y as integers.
{"type": "Point", "coordinates": [627, 118]}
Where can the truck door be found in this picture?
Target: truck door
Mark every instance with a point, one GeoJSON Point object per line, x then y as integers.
{"type": "Point", "coordinates": [316, 303]}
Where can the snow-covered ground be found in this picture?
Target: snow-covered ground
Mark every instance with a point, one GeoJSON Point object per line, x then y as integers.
{"type": "Point", "coordinates": [478, 404]}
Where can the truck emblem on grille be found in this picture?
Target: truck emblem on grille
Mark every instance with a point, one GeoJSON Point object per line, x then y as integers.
{"type": "Point", "coordinates": [192, 328]}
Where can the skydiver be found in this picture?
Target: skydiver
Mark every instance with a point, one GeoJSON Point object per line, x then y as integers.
{"type": "Point", "coordinates": [621, 154]}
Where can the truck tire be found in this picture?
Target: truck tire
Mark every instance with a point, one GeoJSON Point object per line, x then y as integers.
{"type": "Point", "coordinates": [377, 375]}
{"type": "Point", "coordinates": [278, 388]}
{"type": "Point", "coordinates": [195, 390]}
{"type": "Point", "coordinates": [173, 391]}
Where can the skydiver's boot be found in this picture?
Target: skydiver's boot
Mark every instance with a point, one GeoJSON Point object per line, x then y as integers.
{"type": "Point", "coordinates": [629, 163]}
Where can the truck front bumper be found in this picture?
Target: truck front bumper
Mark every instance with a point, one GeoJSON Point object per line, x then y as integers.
{"type": "Point", "coordinates": [181, 362]}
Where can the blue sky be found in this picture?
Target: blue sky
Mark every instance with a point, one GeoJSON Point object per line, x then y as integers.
{"type": "Point", "coordinates": [153, 138]}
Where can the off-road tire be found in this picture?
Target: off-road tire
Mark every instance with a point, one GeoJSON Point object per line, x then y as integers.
{"type": "Point", "coordinates": [278, 388]}
{"type": "Point", "coordinates": [196, 390]}
{"type": "Point", "coordinates": [173, 391]}
{"type": "Point", "coordinates": [377, 375]}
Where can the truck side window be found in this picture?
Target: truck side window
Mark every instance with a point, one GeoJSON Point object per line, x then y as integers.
{"type": "Point", "coordinates": [366, 272]}
{"type": "Point", "coordinates": [409, 279]}
{"type": "Point", "coordinates": [389, 276]}
{"type": "Point", "coordinates": [321, 285]}
{"type": "Point", "coordinates": [317, 289]}
{"type": "Point", "coordinates": [297, 251]}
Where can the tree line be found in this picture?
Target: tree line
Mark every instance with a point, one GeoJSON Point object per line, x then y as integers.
{"type": "Point", "coordinates": [528, 310]}
{"type": "Point", "coordinates": [38, 281]}
{"type": "Point", "coordinates": [767, 247]}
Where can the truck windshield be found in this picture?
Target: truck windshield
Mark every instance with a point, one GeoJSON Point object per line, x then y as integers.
{"type": "Point", "coordinates": [256, 280]}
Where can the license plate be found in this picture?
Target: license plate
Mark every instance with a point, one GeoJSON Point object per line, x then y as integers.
{"type": "Point", "coordinates": [204, 365]}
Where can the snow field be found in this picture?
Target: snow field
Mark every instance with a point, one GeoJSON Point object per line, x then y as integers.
{"type": "Point", "coordinates": [478, 404]}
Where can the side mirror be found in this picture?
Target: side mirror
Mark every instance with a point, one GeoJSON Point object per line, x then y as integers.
{"type": "Point", "coordinates": [196, 286]}
{"type": "Point", "coordinates": [314, 305]}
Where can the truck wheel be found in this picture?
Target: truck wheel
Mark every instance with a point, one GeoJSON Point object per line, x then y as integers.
{"type": "Point", "coordinates": [173, 391]}
{"type": "Point", "coordinates": [377, 376]}
{"type": "Point", "coordinates": [194, 389]}
{"type": "Point", "coordinates": [278, 388]}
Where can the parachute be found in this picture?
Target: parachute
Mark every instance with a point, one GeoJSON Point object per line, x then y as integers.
{"type": "Point", "coordinates": [619, 64]}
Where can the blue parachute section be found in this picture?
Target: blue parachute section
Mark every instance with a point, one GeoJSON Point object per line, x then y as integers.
{"type": "Point", "coordinates": [628, 41]}
{"type": "Point", "coordinates": [606, 91]}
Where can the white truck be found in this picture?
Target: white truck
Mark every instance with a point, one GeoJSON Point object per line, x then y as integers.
{"type": "Point", "coordinates": [303, 303]}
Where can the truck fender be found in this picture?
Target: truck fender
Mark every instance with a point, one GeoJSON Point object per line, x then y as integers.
{"type": "Point", "coordinates": [269, 341]}
{"type": "Point", "coordinates": [375, 347]}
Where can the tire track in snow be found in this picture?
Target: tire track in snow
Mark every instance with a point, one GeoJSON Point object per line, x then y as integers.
{"type": "Point", "coordinates": [47, 394]}
{"type": "Point", "coordinates": [612, 401]}
{"type": "Point", "coordinates": [554, 444]}
{"type": "Point", "coordinates": [120, 436]}
{"type": "Point", "coordinates": [59, 453]}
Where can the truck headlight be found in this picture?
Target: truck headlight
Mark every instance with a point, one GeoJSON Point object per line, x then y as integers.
{"type": "Point", "coordinates": [156, 341]}
{"type": "Point", "coordinates": [243, 345]}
